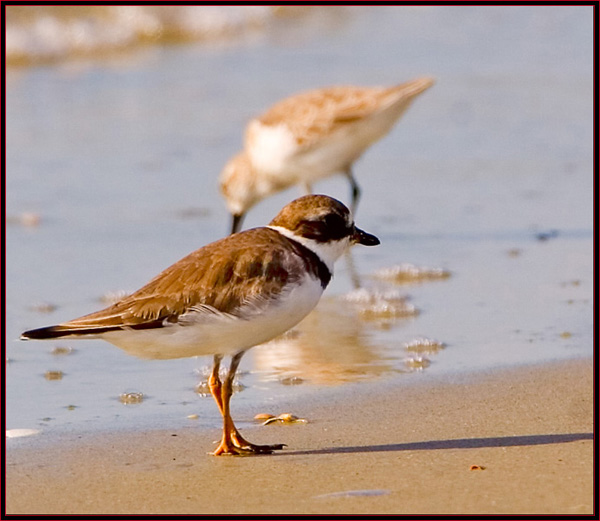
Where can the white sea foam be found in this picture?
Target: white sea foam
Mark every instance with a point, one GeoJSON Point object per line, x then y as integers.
{"type": "Point", "coordinates": [36, 33]}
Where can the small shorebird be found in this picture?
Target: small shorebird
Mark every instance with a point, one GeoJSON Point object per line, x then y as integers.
{"type": "Point", "coordinates": [228, 296]}
{"type": "Point", "coordinates": [309, 136]}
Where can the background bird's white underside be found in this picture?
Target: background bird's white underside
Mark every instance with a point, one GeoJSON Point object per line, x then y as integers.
{"type": "Point", "coordinates": [273, 149]}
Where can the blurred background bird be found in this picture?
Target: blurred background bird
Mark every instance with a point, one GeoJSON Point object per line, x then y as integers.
{"type": "Point", "coordinates": [310, 136]}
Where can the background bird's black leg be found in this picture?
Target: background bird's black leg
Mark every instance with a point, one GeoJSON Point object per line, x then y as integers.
{"type": "Point", "coordinates": [355, 189]}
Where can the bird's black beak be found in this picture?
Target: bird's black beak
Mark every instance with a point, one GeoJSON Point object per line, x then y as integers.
{"type": "Point", "coordinates": [236, 222]}
{"type": "Point", "coordinates": [364, 238]}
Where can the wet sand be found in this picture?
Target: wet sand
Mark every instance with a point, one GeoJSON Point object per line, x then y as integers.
{"type": "Point", "coordinates": [395, 449]}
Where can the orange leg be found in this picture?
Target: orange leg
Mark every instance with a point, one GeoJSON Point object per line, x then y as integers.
{"type": "Point", "coordinates": [232, 441]}
{"type": "Point", "coordinates": [214, 383]}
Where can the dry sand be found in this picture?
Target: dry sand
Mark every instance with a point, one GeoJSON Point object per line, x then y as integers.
{"type": "Point", "coordinates": [406, 450]}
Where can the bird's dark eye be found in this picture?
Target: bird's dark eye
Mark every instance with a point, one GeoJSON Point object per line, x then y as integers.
{"type": "Point", "coordinates": [329, 227]}
{"type": "Point", "coordinates": [337, 226]}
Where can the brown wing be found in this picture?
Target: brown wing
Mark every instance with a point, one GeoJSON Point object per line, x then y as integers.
{"type": "Point", "coordinates": [314, 113]}
{"type": "Point", "coordinates": [318, 112]}
{"type": "Point", "coordinates": [249, 268]}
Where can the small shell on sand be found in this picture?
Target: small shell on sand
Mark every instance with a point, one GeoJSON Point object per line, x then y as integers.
{"type": "Point", "coordinates": [285, 418]}
{"type": "Point", "coordinates": [262, 416]}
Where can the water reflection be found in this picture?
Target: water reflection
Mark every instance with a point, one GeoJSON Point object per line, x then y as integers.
{"type": "Point", "coordinates": [338, 341]}
{"type": "Point", "coordinates": [331, 346]}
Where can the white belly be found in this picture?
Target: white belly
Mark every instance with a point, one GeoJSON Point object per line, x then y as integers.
{"type": "Point", "coordinates": [209, 334]}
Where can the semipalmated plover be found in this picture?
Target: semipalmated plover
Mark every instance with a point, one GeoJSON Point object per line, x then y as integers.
{"type": "Point", "coordinates": [228, 296]}
{"type": "Point", "coordinates": [309, 136]}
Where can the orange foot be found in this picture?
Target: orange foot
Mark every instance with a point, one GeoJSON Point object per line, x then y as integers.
{"type": "Point", "coordinates": [235, 445]}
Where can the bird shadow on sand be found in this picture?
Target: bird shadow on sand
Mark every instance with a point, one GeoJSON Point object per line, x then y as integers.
{"type": "Point", "coordinates": [460, 443]}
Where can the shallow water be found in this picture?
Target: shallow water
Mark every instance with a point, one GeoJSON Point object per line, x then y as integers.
{"type": "Point", "coordinates": [112, 163]}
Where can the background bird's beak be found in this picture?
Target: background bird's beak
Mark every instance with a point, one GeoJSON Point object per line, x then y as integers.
{"type": "Point", "coordinates": [364, 238]}
{"type": "Point", "coordinates": [236, 222]}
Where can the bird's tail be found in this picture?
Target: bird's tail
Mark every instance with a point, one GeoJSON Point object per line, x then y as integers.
{"type": "Point", "coordinates": [60, 331]}
{"type": "Point", "coordinates": [400, 97]}
{"type": "Point", "coordinates": [413, 88]}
